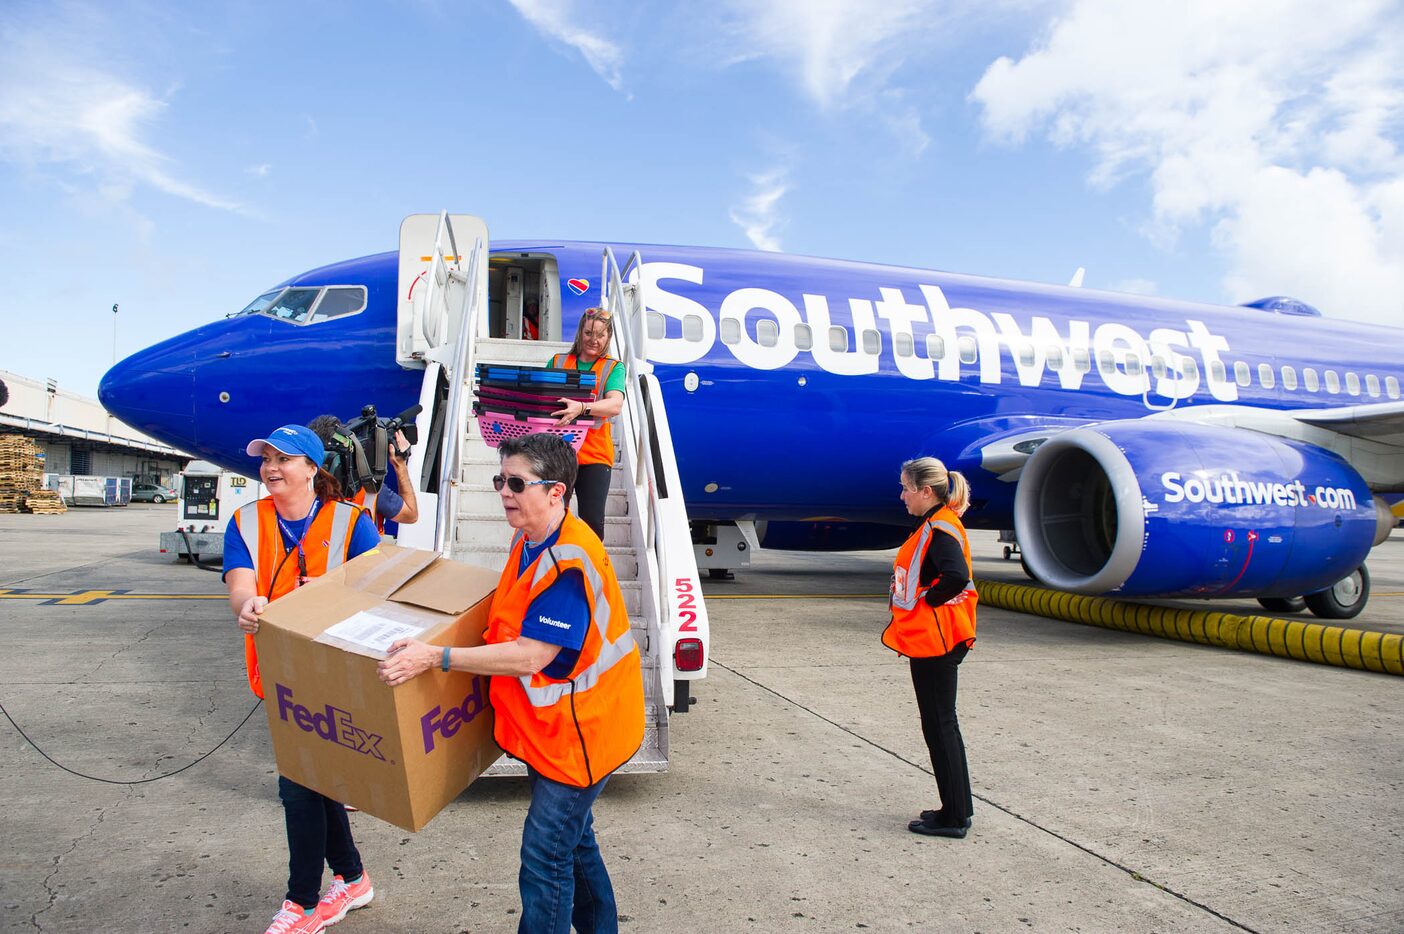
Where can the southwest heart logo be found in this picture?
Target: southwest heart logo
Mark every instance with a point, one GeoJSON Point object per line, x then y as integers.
{"type": "Point", "coordinates": [579, 286]}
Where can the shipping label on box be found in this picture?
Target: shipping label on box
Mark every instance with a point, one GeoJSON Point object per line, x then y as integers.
{"type": "Point", "coordinates": [403, 753]}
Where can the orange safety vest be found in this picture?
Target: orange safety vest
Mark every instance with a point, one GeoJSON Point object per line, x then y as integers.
{"type": "Point", "coordinates": [368, 504]}
{"type": "Point", "coordinates": [580, 728]}
{"type": "Point", "coordinates": [325, 544]}
{"type": "Point", "coordinates": [918, 630]}
{"type": "Point", "coordinates": [599, 441]}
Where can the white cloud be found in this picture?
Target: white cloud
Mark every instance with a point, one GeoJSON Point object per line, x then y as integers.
{"type": "Point", "coordinates": [557, 19]}
{"type": "Point", "coordinates": [259, 171]}
{"type": "Point", "coordinates": [829, 46]}
{"type": "Point", "coordinates": [1275, 123]}
{"type": "Point", "coordinates": [758, 214]}
{"type": "Point", "coordinates": [57, 111]}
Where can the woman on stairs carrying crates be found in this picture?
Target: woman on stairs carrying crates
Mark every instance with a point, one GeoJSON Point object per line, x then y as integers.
{"type": "Point", "coordinates": [596, 456]}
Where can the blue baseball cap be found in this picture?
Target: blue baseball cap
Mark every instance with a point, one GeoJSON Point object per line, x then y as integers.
{"type": "Point", "coordinates": [291, 440]}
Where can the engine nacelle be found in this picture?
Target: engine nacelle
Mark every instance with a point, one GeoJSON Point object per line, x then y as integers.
{"type": "Point", "coordinates": [1163, 508]}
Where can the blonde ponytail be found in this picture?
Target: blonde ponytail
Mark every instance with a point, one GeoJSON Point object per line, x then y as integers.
{"type": "Point", "coordinates": [950, 486]}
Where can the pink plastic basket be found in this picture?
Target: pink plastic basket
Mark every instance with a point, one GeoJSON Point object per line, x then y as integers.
{"type": "Point", "coordinates": [496, 428]}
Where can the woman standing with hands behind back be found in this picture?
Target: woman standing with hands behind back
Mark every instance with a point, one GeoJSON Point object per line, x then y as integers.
{"type": "Point", "coordinates": [933, 624]}
{"type": "Point", "coordinates": [596, 457]}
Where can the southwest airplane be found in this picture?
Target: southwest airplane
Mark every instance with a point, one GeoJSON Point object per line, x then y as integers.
{"type": "Point", "coordinates": [1139, 446]}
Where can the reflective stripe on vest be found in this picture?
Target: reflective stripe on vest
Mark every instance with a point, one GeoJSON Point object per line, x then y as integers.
{"type": "Point", "coordinates": [367, 502]}
{"type": "Point", "coordinates": [918, 630]}
{"type": "Point", "coordinates": [580, 728]}
{"type": "Point", "coordinates": [325, 543]}
{"type": "Point", "coordinates": [610, 652]}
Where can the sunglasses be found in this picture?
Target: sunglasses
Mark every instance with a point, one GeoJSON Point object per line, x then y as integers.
{"type": "Point", "coordinates": [597, 313]}
{"type": "Point", "coordinates": [517, 484]}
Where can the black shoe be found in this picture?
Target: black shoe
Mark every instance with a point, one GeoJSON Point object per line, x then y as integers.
{"type": "Point", "coordinates": [936, 817]}
{"type": "Point", "coordinates": [936, 830]}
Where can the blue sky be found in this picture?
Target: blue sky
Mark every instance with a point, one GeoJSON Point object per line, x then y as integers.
{"type": "Point", "coordinates": [179, 158]}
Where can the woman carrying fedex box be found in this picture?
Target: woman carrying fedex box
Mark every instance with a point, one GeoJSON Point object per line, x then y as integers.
{"type": "Point", "coordinates": [300, 530]}
{"type": "Point", "coordinates": [596, 458]}
{"type": "Point", "coordinates": [566, 687]}
{"type": "Point", "coordinates": [933, 624]}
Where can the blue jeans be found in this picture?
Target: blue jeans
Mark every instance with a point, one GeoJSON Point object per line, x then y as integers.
{"type": "Point", "coordinates": [563, 879]}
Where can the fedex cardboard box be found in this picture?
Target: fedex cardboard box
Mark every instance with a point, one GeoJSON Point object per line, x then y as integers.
{"type": "Point", "coordinates": [399, 753]}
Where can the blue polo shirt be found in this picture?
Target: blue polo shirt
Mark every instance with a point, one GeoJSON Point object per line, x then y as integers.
{"type": "Point", "coordinates": [560, 615]}
{"type": "Point", "coordinates": [364, 537]}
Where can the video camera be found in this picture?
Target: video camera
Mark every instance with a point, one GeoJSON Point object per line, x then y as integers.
{"type": "Point", "coordinates": [359, 452]}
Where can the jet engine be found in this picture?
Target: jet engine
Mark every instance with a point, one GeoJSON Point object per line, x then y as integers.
{"type": "Point", "coordinates": [1158, 507]}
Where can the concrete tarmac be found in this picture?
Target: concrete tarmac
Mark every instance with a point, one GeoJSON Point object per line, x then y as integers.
{"type": "Point", "coordinates": [1122, 783]}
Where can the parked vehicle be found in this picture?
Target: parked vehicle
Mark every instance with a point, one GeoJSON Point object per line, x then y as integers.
{"type": "Point", "coordinates": [152, 493]}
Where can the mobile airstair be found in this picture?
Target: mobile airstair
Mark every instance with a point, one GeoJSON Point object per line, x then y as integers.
{"type": "Point", "coordinates": [444, 328]}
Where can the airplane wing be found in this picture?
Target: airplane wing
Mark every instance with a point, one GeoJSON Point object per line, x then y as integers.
{"type": "Point", "coordinates": [1370, 437]}
{"type": "Point", "coordinates": [1382, 422]}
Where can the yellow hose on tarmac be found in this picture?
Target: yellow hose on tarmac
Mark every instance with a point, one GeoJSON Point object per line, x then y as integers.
{"type": "Point", "coordinates": [1364, 649]}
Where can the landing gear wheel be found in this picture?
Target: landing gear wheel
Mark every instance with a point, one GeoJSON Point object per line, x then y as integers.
{"type": "Point", "coordinates": [1344, 599]}
{"type": "Point", "coordinates": [1282, 604]}
{"type": "Point", "coordinates": [1007, 552]}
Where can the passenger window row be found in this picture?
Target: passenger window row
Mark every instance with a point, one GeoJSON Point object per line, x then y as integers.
{"type": "Point", "coordinates": [967, 350]}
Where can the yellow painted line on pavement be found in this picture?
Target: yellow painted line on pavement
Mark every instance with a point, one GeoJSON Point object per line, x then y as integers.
{"type": "Point", "coordinates": [93, 597]}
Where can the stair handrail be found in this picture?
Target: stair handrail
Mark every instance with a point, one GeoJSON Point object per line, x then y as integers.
{"type": "Point", "coordinates": [460, 371]}
{"type": "Point", "coordinates": [614, 297]}
{"type": "Point", "coordinates": [646, 481]}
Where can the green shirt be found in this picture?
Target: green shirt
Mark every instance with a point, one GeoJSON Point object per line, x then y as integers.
{"type": "Point", "coordinates": [615, 383]}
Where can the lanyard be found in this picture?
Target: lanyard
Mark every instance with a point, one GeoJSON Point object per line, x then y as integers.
{"type": "Point", "coordinates": [302, 577]}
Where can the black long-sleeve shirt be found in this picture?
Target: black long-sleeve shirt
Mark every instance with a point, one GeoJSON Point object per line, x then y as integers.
{"type": "Point", "coordinates": [943, 567]}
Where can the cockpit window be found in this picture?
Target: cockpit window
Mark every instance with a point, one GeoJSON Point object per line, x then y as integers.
{"type": "Point", "coordinates": [293, 305]}
{"type": "Point", "coordinates": [340, 300]}
{"type": "Point", "coordinates": [258, 305]}
{"type": "Point", "coordinates": [309, 304]}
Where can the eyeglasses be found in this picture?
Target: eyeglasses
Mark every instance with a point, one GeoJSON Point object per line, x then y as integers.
{"type": "Point", "coordinates": [600, 313]}
{"type": "Point", "coordinates": [517, 484]}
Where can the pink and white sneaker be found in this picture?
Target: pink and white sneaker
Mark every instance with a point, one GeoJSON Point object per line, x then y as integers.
{"type": "Point", "coordinates": [344, 896]}
{"type": "Point", "coordinates": [290, 919]}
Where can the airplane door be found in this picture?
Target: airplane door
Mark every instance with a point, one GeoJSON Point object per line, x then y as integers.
{"type": "Point", "coordinates": [442, 311]}
{"type": "Point", "coordinates": [442, 258]}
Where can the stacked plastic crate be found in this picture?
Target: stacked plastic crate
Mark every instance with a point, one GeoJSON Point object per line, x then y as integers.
{"type": "Point", "coordinates": [513, 401]}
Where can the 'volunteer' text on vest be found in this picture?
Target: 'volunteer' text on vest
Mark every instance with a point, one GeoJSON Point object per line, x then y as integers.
{"type": "Point", "coordinates": [918, 630]}
{"type": "Point", "coordinates": [599, 441]}
{"type": "Point", "coordinates": [325, 544]}
{"type": "Point", "coordinates": [577, 729]}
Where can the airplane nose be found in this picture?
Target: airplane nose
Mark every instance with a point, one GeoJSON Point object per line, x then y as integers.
{"type": "Point", "coordinates": [153, 391]}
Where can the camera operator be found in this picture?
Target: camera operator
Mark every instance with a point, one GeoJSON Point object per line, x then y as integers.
{"type": "Point", "coordinates": [395, 502]}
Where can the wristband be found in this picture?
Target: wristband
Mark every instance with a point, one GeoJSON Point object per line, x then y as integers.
{"type": "Point", "coordinates": [444, 664]}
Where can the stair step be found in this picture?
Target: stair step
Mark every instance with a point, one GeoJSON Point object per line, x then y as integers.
{"type": "Point", "coordinates": [491, 527]}
{"type": "Point", "coordinates": [651, 757]}
{"type": "Point", "coordinates": [510, 352]}
{"type": "Point", "coordinates": [476, 498]}
{"type": "Point", "coordinates": [487, 555]}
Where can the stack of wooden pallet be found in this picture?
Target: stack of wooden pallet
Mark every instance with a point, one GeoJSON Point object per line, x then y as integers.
{"type": "Point", "coordinates": [21, 471]}
{"type": "Point", "coordinates": [44, 503]}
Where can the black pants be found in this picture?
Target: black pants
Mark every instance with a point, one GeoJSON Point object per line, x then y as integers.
{"type": "Point", "coordinates": [318, 832]}
{"type": "Point", "coordinates": [935, 683]}
{"type": "Point", "coordinates": [591, 494]}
